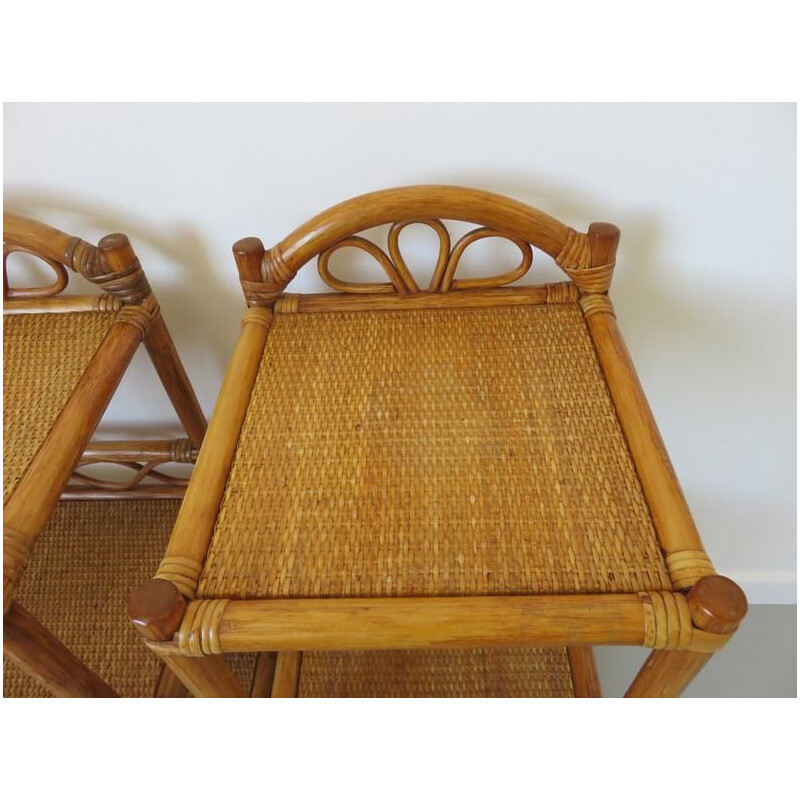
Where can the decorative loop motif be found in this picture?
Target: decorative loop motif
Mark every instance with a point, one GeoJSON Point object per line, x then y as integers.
{"type": "Point", "coordinates": [199, 633]}
{"type": "Point", "coordinates": [667, 621]}
{"type": "Point", "coordinates": [52, 289]}
{"type": "Point", "coordinates": [686, 567]}
{"type": "Point", "coordinates": [444, 249]}
{"type": "Point", "coordinates": [449, 282]}
{"type": "Point", "coordinates": [141, 470]}
{"type": "Point", "coordinates": [443, 279]}
{"type": "Point", "coordinates": [181, 571]}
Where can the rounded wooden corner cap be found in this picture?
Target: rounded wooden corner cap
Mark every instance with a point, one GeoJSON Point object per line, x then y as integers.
{"type": "Point", "coordinates": [603, 243]}
{"type": "Point", "coordinates": [717, 604]}
{"type": "Point", "coordinates": [156, 609]}
{"type": "Point", "coordinates": [114, 241]}
{"type": "Point", "coordinates": [248, 246]}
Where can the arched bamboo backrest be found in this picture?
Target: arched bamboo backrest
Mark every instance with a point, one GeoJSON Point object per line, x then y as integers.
{"type": "Point", "coordinates": [587, 258]}
{"type": "Point", "coordinates": [112, 265]}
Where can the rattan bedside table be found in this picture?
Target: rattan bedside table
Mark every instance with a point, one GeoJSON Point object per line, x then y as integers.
{"type": "Point", "coordinates": [466, 466]}
{"type": "Point", "coordinates": [63, 357]}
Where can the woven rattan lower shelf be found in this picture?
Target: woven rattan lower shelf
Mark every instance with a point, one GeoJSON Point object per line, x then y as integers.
{"type": "Point", "coordinates": [498, 672]}
{"type": "Point", "coordinates": [87, 560]}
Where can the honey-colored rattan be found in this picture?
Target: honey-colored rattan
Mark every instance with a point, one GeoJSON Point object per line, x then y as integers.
{"type": "Point", "coordinates": [87, 560]}
{"type": "Point", "coordinates": [502, 672]}
{"type": "Point", "coordinates": [44, 356]}
{"type": "Point", "coordinates": [431, 453]}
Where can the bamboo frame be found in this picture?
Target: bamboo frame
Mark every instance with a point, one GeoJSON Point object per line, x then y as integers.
{"type": "Point", "coordinates": [112, 266]}
{"type": "Point", "coordinates": [683, 627]}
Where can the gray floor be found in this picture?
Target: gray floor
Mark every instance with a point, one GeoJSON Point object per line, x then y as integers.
{"type": "Point", "coordinates": [760, 660]}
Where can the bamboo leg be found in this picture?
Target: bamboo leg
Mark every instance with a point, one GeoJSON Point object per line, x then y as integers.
{"type": "Point", "coordinates": [169, 684]}
{"type": "Point", "coordinates": [584, 672]}
{"type": "Point", "coordinates": [170, 370]}
{"type": "Point", "coordinates": [39, 654]}
{"type": "Point", "coordinates": [37, 493]}
{"type": "Point", "coordinates": [156, 609]}
{"type": "Point", "coordinates": [717, 606]}
{"type": "Point", "coordinates": [263, 675]}
{"type": "Point", "coordinates": [667, 673]}
{"type": "Point", "coordinates": [287, 674]}
{"type": "Point", "coordinates": [207, 676]}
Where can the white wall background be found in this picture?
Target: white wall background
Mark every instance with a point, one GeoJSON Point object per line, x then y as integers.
{"type": "Point", "coordinates": [705, 286]}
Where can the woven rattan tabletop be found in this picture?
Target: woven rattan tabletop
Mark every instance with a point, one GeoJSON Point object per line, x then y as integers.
{"type": "Point", "coordinates": [435, 452]}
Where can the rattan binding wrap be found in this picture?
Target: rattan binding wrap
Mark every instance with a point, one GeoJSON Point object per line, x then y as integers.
{"type": "Point", "coordinates": [44, 356]}
{"type": "Point", "coordinates": [87, 560]}
{"type": "Point", "coordinates": [431, 453]}
{"type": "Point", "coordinates": [503, 672]}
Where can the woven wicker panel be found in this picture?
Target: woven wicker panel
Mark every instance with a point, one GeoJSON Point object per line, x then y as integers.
{"type": "Point", "coordinates": [44, 356]}
{"type": "Point", "coordinates": [516, 672]}
{"type": "Point", "coordinates": [86, 562]}
{"type": "Point", "coordinates": [430, 453]}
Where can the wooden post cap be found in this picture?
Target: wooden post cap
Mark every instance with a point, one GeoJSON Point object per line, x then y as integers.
{"type": "Point", "coordinates": [603, 243]}
{"type": "Point", "coordinates": [717, 604]}
{"type": "Point", "coordinates": [156, 608]}
{"type": "Point", "coordinates": [248, 254]}
{"type": "Point", "coordinates": [248, 246]}
{"type": "Point", "coordinates": [117, 250]}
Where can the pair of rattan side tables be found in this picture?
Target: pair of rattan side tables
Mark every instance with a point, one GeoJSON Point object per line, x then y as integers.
{"type": "Point", "coordinates": [396, 480]}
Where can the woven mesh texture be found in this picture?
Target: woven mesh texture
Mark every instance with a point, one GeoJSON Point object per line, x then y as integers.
{"type": "Point", "coordinates": [44, 356]}
{"type": "Point", "coordinates": [87, 560]}
{"type": "Point", "coordinates": [431, 453]}
{"type": "Point", "coordinates": [516, 672]}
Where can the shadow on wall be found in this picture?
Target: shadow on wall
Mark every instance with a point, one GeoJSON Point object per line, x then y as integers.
{"type": "Point", "coordinates": [194, 281]}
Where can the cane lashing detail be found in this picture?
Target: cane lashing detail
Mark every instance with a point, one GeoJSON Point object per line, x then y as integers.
{"type": "Point", "coordinates": [199, 633]}
{"type": "Point", "coordinates": [668, 621]}
{"type": "Point", "coordinates": [183, 572]}
{"type": "Point", "coordinates": [686, 567]}
{"type": "Point", "coordinates": [443, 278]}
